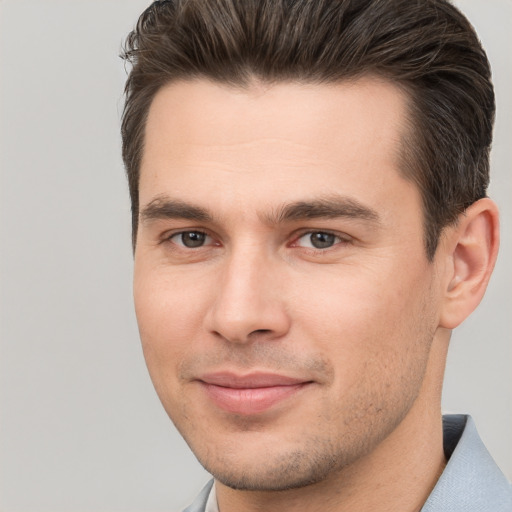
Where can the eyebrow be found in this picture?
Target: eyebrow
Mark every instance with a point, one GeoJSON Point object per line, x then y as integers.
{"type": "Point", "coordinates": [166, 208]}
{"type": "Point", "coordinates": [330, 207]}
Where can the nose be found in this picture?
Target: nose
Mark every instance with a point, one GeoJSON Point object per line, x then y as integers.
{"type": "Point", "coordinates": [249, 304]}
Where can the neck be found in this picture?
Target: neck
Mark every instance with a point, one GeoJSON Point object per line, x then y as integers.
{"type": "Point", "coordinates": [398, 475]}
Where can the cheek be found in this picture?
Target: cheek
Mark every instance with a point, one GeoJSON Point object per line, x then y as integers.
{"type": "Point", "coordinates": [167, 303]}
{"type": "Point", "coordinates": [369, 326]}
{"type": "Point", "coordinates": [168, 316]}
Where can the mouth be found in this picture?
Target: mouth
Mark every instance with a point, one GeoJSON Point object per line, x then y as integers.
{"type": "Point", "coordinates": [249, 394]}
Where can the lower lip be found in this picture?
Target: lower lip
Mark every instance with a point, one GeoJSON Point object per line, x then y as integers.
{"type": "Point", "coordinates": [249, 401]}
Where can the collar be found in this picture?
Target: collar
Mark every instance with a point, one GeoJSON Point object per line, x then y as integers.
{"type": "Point", "coordinates": [211, 504]}
{"type": "Point", "coordinates": [471, 480]}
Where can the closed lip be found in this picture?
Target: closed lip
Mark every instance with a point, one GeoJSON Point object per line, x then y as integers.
{"type": "Point", "coordinates": [250, 394]}
{"type": "Point", "coordinates": [250, 380]}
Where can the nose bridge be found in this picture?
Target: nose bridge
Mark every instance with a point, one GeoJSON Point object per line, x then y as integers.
{"type": "Point", "coordinates": [248, 299]}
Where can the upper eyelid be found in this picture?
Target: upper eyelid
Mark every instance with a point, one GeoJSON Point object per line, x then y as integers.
{"type": "Point", "coordinates": [165, 237]}
{"type": "Point", "coordinates": [343, 239]}
{"type": "Point", "coordinates": [340, 234]}
{"type": "Point", "coordinates": [168, 233]}
{"type": "Point", "coordinates": [181, 232]}
{"type": "Point", "coordinates": [181, 246]}
{"type": "Point", "coordinates": [293, 237]}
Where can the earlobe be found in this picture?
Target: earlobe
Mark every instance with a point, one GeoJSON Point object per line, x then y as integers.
{"type": "Point", "coordinates": [471, 253]}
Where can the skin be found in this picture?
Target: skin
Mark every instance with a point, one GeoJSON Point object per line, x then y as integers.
{"type": "Point", "coordinates": [237, 187]}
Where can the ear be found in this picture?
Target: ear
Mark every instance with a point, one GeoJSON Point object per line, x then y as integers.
{"type": "Point", "coordinates": [470, 249]}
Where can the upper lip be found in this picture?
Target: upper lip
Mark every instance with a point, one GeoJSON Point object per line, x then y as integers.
{"type": "Point", "coordinates": [250, 380]}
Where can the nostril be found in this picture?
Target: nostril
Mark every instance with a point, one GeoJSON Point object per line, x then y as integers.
{"type": "Point", "coordinates": [260, 332]}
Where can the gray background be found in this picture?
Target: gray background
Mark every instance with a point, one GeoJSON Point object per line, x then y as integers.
{"type": "Point", "coordinates": [81, 428]}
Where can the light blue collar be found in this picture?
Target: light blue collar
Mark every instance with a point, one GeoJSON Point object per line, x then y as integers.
{"type": "Point", "coordinates": [471, 481]}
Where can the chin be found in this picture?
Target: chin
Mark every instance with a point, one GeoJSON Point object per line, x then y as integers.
{"type": "Point", "coordinates": [277, 478]}
{"type": "Point", "coordinates": [256, 470]}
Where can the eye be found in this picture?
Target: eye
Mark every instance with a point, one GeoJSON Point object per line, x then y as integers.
{"type": "Point", "coordinates": [318, 240]}
{"type": "Point", "coordinates": [191, 239]}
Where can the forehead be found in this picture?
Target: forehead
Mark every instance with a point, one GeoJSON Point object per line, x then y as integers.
{"type": "Point", "coordinates": [271, 142]}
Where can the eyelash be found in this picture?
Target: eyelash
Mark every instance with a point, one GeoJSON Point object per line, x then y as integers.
{"type": "Point", "coordinates": [169, 237]}
{"type": "Point", "coordinates": [339, 239]}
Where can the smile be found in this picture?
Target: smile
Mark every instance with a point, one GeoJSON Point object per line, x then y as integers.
{"type": "Point", "coordinates": [249, 394]}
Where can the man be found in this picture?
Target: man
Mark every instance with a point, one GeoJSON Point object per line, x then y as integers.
{"type": "Point", "coordinates": [310, 222]}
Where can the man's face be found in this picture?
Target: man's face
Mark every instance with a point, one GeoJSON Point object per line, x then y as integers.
{"type": "Point", "coordinates": [285, 302]}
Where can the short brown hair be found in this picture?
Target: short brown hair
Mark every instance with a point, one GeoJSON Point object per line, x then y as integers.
{"type": "Point", "coordinates": [425, 46]}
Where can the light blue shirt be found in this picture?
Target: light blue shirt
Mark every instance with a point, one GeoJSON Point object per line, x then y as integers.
{"type": "Point", "coordinates": [470, 482]}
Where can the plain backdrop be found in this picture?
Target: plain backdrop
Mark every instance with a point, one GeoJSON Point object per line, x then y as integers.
{"type": "Point", "coordinates": [81, 428]}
